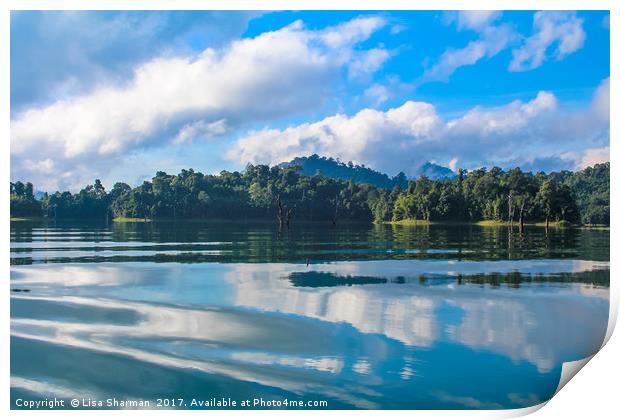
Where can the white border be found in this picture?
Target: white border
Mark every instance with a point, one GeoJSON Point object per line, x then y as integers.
{"type": "Point", "coordinates": [592, 394]}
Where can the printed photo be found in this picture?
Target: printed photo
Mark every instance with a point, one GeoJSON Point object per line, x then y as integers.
{"type": "Point", "coordinates": [309, 210]}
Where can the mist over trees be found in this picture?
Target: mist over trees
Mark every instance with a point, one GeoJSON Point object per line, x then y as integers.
{"type": "Point", "coordinates": [262, 192]}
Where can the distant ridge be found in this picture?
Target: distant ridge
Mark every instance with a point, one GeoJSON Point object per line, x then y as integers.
{"type": "Point", "coordinates": [335, 169]}
{"type": "Point", "coordinates": [435, 172]}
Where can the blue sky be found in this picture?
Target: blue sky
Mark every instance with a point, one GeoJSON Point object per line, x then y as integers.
{"type": "Point", "coordinates": [120, 95]}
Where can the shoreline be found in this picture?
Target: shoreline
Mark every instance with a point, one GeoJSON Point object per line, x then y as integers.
{"type": "Point", "coordinates": [404, 222]}
{"type": "Point", "coordinates": [131, 220]}
{"type": "Point", "coordinates": [492, 223]}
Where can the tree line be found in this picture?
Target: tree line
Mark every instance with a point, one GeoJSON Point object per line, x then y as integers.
{"type": "Point", "coordinates": [284, 194]}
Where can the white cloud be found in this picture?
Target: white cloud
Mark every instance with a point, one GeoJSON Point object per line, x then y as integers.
{"type": "Point", "coordinates": [392, 86]}
{"type": "Point", "coordinates": [593, 156]}
{"type": "Point", "coordinates": [368, 62]}
{"type": "Point", "coordinates": [600, 103]}
{"type": "Point", "coordinates": [452, 59]}
{"type": "Point", "coordinates": [201, 130]}
{"type": "Point", "coordinates": [369, 137]}
{"type": "Point", "coordinates": [377, 93]}
{"type": "Point", "coordinates": [492, 39]}
{"type": "Point", "coordinates": [45, 166]}
{"type": "Point", "coordinates": [398, 28]}
{"type": "Point", "coordinates": [275, 74]}
{"type": "Point", "coordinates": [69, 46]}
{"type": "Point", "coordinates": [351, 32]}
{"type": "Point", "coordinates": [562, 32]}
{"type": "Point", "coordinates": [558, 31]}
{"type": "Point", "coordinates": [402, 138]}
{"type": "Point", "coordinates": [481, 122]}
{"type": "Point", "coordinates": [476, 19]}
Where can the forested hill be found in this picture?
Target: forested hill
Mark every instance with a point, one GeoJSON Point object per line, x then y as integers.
{"type": "Point", "coordinates": [263, 192]}
{"type": "Point", "coordinates": [435, 172]}
{"type": "Point", "coordinates": [335, 169]}
{"type": "Point", "coordinates": [591, 190]}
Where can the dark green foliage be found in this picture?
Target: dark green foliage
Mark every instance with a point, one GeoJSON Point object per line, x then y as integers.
{"type": "Point", "coordinates": [23, 202]}
{"type": "Point", "coordinates": [92, 202]}
{"type": "Point", "coordinates": [508, 196]}
{"type": "Point", "coordinates": [253, 194]}
{"type": "Point", "coordinates": [321, 279]}
{"type": "Point", "coordinates": [591, 190]}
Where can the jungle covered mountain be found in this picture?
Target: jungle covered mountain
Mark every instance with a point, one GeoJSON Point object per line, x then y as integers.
{"type": "Point", "coordinates": [334, 168]}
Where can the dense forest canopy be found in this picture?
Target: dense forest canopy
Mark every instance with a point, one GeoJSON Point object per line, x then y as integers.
{"type": "Point", "coordinates": [591, 189]}
{"type": "Point", "coordinates": [263, 192]}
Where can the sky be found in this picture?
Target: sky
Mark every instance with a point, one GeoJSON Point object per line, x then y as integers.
{"type": "Point", "coordinates": [120, 95]}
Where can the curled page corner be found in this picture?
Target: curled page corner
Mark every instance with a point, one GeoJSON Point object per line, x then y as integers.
{"type": "Point", "coordinates": [569, 370]}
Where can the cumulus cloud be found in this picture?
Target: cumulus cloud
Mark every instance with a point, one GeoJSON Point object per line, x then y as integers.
{"type": "Point", "coordinates": [594, 156]}
{"type": "Point", "coordinates": [378, 93]}
{"type": "Point", "coordinates": [404, 137]}
{"type": "Point", "coordinates": [601, 101]}
{"type": "Point", "coordinates": [392, 86]}
{"type": "Point", "coordinates": [370, 136]}
{"type": "Point", "coordinates": [201, 130]}
{"type": "Point", "coordinates": [504, 120]}
{"type": "Point", "coordinates": [44, 166]}
{"type": "Point", "coordinates": [492, 39]}
{"type": "Point", "coordinates": [368, 62]}
{"type": "Point", "coordinates": [275, 74]}
{"type": "Point", "coordinates": [559, 33]}
{"type": "Point", "coordinates": [69, 46]}
{"type": "Point", "coordinates": [476, 19]}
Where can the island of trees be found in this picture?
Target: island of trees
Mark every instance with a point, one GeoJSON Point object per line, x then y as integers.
{"type": "Point", "coordinates": [283, 193]}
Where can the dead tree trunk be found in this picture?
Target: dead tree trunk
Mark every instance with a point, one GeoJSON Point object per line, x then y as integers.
{"type": "Point", "coordinates": [336, 207]}
{"type": "Point", "coordinates": [289, 213]}
{"type": "Point", "coordinates": [284, 214]}
{"type": "Point", "coordinates": [510, 209]}
{"type": "Point", "coordinates": [521, 216]}
{"type": "Point", "coordinates": [280, 213]}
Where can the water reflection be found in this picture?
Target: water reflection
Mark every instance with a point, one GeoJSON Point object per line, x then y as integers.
{"type": "Point", "coordinates": [225, 242]}
{"type": "Point", "coordinates": [505, 321]}
{"type": "Point", "coordinates": [363, 333]}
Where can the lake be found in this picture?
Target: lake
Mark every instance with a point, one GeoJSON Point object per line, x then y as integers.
{"type": "Point", "coordinates": [357, 316]}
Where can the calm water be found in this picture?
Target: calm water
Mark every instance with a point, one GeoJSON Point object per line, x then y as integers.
{"type": "Point", "coordinates": [359, 316]}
